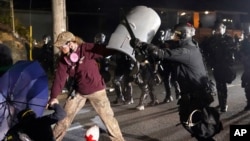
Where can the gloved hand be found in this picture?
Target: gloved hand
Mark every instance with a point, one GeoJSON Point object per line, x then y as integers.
{"type": "Point", "coordinates": [135, 43]}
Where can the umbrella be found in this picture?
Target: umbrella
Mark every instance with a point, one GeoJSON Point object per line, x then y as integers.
{"type": "Point", "coordinates": [24, 85]}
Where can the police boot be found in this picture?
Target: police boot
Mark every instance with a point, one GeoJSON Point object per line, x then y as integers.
{"type": "Point", "coordinates": [118, 90]}
{"type": "Point", "coordinates": [119, 99]}
{"type": "Point", "coordinates": [247, 91]}
{"type": "Point", "coordinates": [168, 97]}
{"type": "Point", "coordinates": [154, 101]}
{"type": "Point", "coordinates": [129, 101]}
{"type": "Point", "coordinates": [129, 98]}
{"type": "Point", "coordinates": [177, 90]}
{"type": "Point", "coordinates": [222, 102]}
{"type": "Point", "coordinates": [141, 105]}
{"type": "Point", "coordinates": [144, 95]}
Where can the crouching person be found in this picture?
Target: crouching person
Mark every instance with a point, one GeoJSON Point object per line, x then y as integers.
{"type": "Point", "coordinates": [32, 128]}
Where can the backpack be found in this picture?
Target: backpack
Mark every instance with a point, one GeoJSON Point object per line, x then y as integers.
{"type": "Point", "coordinates": [204, 122]}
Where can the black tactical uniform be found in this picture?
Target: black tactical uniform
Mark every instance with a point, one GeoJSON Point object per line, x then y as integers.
{"type": "Point", "coordinates": [165, 67]}
{"type": "Point", "coordinates": [191, 76]}
{"type": "Point", "coordinates": [219, 53]}
{"type": "Point", "coordinates": [47, 56]}
{"type": "Point", "coordinates": [103, 63]}
{"type": "Point", "coordinates": [145, 81]}
{"type": "Point", "coordinates": [245, 78]}
{"type": "Point", "coordinates": [169, 73]}
{"type": "Point", "coordinates": [122, 78]}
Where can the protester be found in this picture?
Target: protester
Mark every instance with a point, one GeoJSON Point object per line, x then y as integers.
{"type": "Point", "coordinates": [32, 128]}
{"type": "Point", "coordinates": [78, 60]}
{"type": "Point", "coordinates": [192, 78]}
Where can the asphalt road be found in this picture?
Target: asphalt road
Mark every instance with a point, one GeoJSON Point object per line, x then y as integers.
{"type": "Point", "coordinates": [158, 123]}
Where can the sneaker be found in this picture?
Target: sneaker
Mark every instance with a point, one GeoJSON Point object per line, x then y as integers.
{"type": "Point", "coordinates": [224, 109]}
{"type": "Point", "coordinates": [167, 100]}
{"type": "Point", "coordinates": [140, 107]}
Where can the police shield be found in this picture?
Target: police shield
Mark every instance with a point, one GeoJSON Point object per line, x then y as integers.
{"type": "Point", "coordinates": [144, 22]}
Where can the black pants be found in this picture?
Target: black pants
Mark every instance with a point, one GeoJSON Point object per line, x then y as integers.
{"type": "Point", "coordinates": [222, 93]}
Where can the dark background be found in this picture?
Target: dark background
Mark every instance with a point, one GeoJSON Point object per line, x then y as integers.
{"type": "Point", "coordinates": [109, 5]}
{"type": "Point", "coordinates": [88, 17]}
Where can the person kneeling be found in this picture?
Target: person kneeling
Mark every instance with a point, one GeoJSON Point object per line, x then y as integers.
{"type": "Point", "coordinates": [32, 128]}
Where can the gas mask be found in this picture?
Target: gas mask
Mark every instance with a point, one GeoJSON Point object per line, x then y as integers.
{"type": "Point", "coordinates": [71, 58]}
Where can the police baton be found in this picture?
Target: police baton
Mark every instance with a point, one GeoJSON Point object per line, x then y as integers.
{"type": "Point", "coordinates": [130, 31]}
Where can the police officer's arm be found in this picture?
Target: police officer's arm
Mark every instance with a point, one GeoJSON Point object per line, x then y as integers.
{"type": "Point", "coordinates": [179, 54]}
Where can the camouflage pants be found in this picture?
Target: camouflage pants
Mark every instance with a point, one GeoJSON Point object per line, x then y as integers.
{"type": "Point", "coordinates": [101, 104]}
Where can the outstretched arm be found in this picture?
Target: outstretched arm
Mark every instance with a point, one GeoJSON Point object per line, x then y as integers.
{"type": "Point", "coordinates": [56, 116]}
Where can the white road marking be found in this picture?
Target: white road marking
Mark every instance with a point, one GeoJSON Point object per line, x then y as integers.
{"type": "Point", "coordinates": [74, 127]}
{"type": "Point", "coordinates": [230, 85]}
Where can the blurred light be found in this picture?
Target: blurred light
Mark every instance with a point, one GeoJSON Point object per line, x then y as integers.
{"type": "Point", "coordinates": [224, 20]}
{"type": "Point", "coordinates": [206, 12]}
{"type": "Point", "coordinates": [183, 13]}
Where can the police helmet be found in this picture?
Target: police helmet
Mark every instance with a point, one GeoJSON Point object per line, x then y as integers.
{"type": "Point", "coordinates": [46, 39]}
{"type": "Point", "coordinates": [183, 30]}
{"type": "Point", "coordinates": [99, 38]}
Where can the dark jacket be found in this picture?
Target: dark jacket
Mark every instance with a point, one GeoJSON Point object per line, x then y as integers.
{"type": "Point", "coordinates": [86, 71]}
{"type": "Point", "coordinates": [245, 58]}
{"type": "Point", "coordinates": [37, 129]}
{"type": "Point", "coordinates": [219, 52]}
{"type": "Point", "coordinates": [190, 67]}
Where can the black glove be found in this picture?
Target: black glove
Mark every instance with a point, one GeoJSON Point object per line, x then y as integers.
{"type": "Point", "coordinates": [135, 43]}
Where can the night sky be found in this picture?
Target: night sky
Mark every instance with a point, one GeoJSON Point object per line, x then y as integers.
{"type": "Point", "coordinates": [92, 5]}
{"type": "Point", "coordinates": [107, 22]}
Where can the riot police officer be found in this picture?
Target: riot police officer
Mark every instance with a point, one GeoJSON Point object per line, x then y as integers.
{"type": "Point", "coordinates": [219, 54]}
{"type": "Point", "coordinates": [103, 63]}
{"type": "Point", "coordinates": [191, 76]}
{"type": "Point", "coordinates": [245, 78]}
{"type": "Point", "coordinates": [123, 78]}
{"type": "Point", "coordinates": [166, 68]}
{"type": "Point", "coordinates": [146, 82]}
{"type": "Point", "coordinates": [47, 56]}
{"type": "Point", "coordinates": [99, 38]}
